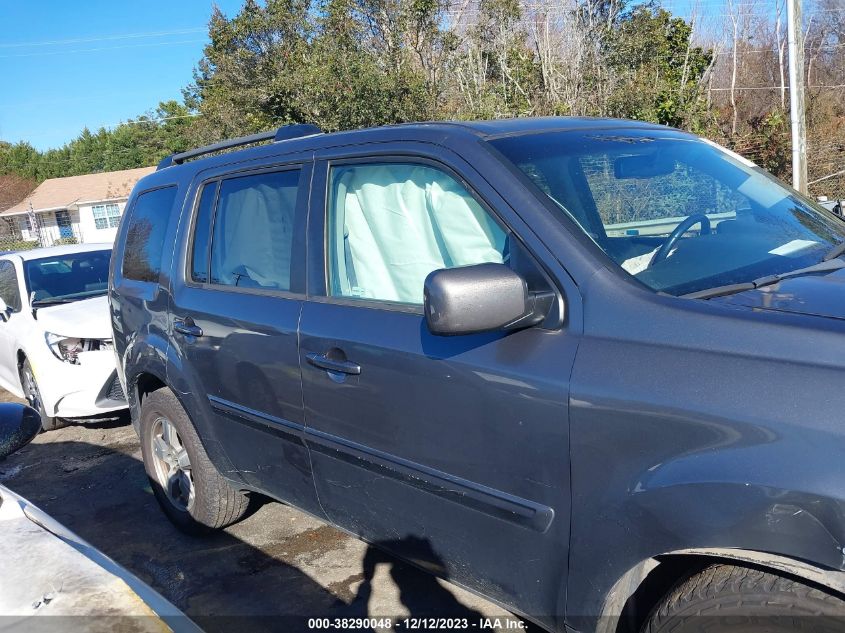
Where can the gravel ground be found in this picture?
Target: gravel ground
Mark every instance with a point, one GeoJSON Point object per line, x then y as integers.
{"type": "Point", "coordinates": [277, 567]}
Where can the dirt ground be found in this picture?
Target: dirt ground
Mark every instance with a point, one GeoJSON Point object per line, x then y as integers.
{"type": "Point", "coordinates": [271, 571]}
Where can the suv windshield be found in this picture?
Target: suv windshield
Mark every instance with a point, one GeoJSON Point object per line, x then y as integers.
{"type": "Point", "coordinates": [677, 212]}
{"type": "Point", "coordinates": [68, 277]}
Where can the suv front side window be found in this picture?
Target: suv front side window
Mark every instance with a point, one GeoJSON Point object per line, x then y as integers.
{"type": "Point", "coordinates": [391, 224]}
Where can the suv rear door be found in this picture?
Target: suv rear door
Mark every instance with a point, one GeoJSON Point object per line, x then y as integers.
{"type": "Point", "coordinates": [237, 296]}
{"type": "Point", "coordinates": [450, 451]}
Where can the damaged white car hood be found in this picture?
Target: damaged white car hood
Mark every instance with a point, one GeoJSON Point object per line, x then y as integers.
{"type": "Point", "coordinates": [86, 318]}
{"type": "Point", "coordinates": [48, 570]}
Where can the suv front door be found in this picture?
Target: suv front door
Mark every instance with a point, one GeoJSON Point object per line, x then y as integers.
{"type": "Point", "coordinates": [234, 318]}
{"type": "Point", "coordinates": [452, 452]}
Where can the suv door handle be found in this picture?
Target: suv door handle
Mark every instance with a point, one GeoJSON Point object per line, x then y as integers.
{"type": "Point", "coordinates": [187, 327]}
{"type": "Point", "coordinates": [341, 366]}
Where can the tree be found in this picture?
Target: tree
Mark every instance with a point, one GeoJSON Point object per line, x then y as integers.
{"type": "Point", "coordinates": [252, 71]}
{"type": "Point", "coordinates": [13, 189]}
{"type": "Point", "coordinates": [658, 70]}
{"type": "Point", "coordinates": [496, 68]}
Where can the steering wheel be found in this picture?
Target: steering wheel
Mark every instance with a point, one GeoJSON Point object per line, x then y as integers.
{"type": "Point", "coordinates": [689, 222]}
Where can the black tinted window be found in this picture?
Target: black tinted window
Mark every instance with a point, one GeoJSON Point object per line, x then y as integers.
{"type": "Point", "coordinates": [202, 230]}
{"type": "Point", "coordinates": [145, 235]}
{"type": "Point", "coordinates": [9, 285]}
{"type": "Point", "coordinates": [253, 231]}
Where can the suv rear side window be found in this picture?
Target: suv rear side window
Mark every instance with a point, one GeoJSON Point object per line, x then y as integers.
{"type": "Point", "coordinates": [253, 230]}
{"type": "Point", "coordinates": [145, 236]}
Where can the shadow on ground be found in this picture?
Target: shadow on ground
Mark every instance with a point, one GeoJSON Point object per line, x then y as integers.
{"type": "Point", "coordinates": [270, 572]}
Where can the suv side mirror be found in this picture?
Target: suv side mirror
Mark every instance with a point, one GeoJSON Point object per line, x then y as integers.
{"type": "Point", "coordinates": [19, 424]}
{"type": "Point", "coordinates": [481, 298]}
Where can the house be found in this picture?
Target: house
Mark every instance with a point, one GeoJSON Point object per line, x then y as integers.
{"type": "Point", "coordinates": [74, 209]}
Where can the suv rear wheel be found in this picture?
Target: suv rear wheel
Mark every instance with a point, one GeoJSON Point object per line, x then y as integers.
{"type": "Point", "coordinates": [733, 599]}
{"type": "Point", "coordinates": [187, 486]}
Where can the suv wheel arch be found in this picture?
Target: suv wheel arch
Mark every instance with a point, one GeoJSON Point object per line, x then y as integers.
{"type": "Point", "coordinates": [144, 384]}
{"type": "Point", "coordinates": [631, 599]}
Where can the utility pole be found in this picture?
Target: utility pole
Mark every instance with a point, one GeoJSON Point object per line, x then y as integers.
{"type": "Point", "coordinates": [796, 95]}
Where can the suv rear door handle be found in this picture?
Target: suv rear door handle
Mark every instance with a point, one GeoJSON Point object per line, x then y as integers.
{"type": "Point", "coordinates": [187, 327]}
{"type": "Point", "coordinates": [330, 364]}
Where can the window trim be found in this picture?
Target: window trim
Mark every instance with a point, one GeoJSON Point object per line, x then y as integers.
{"type": "Point", "coordinates": [125, 234]}
{"type": "Point", "coordinates": [414, 159]}
{"type": "Point", "coordinates": [195, 206]}
{"type": "Point", "coordinates": [302, 167]}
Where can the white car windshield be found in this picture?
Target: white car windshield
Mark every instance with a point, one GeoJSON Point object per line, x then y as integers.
{"type": "Point", "coordinates": [679, 213]}
{"type": "Point", "coordinates": [68, 277]}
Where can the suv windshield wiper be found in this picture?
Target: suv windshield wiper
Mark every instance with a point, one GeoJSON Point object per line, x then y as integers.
{"type": "Point", "coordinates": [825, 266]}
{"type": "Point", "coordinates": [835, 252]}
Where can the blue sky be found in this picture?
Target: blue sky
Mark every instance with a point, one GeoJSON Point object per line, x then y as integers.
{"type": "Point", "coordinates": [67, 64]}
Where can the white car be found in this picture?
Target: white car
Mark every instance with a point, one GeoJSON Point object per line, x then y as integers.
{"type": "Point", "coordinates": [55, 335]}
{"type": "Point", "coordinates": [49, 571]}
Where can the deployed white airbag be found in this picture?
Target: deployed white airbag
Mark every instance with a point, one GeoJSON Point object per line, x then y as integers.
{"type": "Point", "coordinates": [398, 222]}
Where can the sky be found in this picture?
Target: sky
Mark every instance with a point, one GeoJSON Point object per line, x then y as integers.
{"type": "Point", "coordinates": [67, 64]}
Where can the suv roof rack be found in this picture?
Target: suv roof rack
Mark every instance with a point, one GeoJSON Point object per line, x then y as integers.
{"type": "Point", "coordinates": [284, 133]}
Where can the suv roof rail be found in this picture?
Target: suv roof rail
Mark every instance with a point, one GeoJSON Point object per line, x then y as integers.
{"type": "Point", "coordinates": [284, 133]}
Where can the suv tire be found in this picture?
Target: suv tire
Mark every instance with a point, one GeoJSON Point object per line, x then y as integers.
{"type": "Point", "coordinates": [745, 599]}
{"type": "Point", "coordinates": [195, 497]}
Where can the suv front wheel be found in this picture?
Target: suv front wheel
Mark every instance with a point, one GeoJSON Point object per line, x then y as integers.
{"type": "Point", "coordinates": [734, 599]}
{"type": "Point", "coordinates": [187, 486]}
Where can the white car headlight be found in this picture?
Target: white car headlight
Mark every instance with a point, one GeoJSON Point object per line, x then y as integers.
{"type": "Point", "coordinates": [67, 348]}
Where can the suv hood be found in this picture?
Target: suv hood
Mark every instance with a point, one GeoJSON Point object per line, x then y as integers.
{"type": "Point", "coordinates": [817, 295]}
{"type": "Point", "coordinates": [86, 318]}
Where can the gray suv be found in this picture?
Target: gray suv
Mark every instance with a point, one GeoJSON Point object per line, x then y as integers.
{"type": "Point", "coordinates": [590, 369]}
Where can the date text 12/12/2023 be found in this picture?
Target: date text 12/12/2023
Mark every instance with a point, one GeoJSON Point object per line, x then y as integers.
{"type": "Point", "coordinates": [417, 624]}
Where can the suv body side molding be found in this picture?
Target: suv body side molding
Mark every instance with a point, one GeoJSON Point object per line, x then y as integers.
{"type": "Point", "coordinates": [507, 507]}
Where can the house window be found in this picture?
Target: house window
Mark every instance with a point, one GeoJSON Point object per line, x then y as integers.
{"type": "Point", "coordinates": [106, 216]}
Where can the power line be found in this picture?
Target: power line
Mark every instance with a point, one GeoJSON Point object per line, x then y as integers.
{"type": "Point", "coordinates": [772, 87]}
{"type": "Point", "coordinates": [829, 176]}
{"type": "Point", "coordinates": [105, 48]}
{"type": "Point", "coordinates": [85, 40]}
{"type": "Point", "coordinates": [138, 121]}
{"type": "Point", "coordinates": [159, 120]}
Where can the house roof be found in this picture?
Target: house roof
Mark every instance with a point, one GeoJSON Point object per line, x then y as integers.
{"type": "Point", "coordinates": [61, 193]}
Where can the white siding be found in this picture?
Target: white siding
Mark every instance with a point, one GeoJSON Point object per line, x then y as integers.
{"type": "Point", "coordinates": [88, 231]}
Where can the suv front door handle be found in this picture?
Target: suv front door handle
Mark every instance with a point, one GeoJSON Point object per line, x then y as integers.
{"type": "Point", "coordinates": [187, 327]}
{"type": "Point", "coordinates": [330, 364]}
